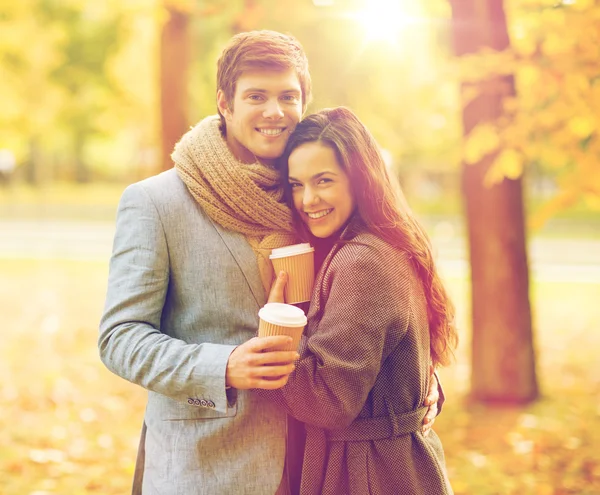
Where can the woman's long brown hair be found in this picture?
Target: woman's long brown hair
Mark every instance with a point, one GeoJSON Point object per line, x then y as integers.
{"type": "Point", "coordinates": [383, 209]}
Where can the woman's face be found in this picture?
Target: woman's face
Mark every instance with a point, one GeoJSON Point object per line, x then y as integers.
{"type": "Point", "coordinates": [321, 189]}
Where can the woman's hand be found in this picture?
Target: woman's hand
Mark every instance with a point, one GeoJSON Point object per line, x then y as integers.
{"type": "Point", "coordinates": [431, 400]}
{"type": "Point", "coordinates": [276, 294]}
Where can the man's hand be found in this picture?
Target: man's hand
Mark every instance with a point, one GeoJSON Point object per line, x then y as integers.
{"type": "Point", "coordinates": [255, 364]}
{"type": "Point", "coordinates": [431, 400]}
{"type": "Point", "coordinates": [276, 294]}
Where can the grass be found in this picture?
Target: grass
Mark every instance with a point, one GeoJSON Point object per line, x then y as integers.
{"type": "Point", "coordinates": [70, 427]}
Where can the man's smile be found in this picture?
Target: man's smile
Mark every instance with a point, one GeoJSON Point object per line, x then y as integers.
{"type": "Point", "coordinates": [270, 131]}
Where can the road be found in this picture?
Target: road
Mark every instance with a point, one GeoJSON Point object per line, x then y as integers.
{"type": "Point", "coordinates": [558, 260]}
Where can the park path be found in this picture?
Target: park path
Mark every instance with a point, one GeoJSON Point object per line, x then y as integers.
{"type": "Point", "coordinates": [560, 260]}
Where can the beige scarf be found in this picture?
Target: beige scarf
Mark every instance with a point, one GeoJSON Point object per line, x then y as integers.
{"type": "Point", "coordinates": [245, 198]}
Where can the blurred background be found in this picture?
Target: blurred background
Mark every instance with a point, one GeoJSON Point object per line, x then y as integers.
{"type": "Point", "coordinates": [487, 110]}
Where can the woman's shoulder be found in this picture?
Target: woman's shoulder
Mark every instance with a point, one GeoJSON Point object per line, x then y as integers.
{"type": "Point", "coordinates": [371, 252]}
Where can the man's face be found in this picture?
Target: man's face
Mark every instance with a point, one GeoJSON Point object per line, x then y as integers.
{"type": "Point", "coordinates": [267, 105]}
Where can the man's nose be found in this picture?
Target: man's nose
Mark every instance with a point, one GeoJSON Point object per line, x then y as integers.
{"type": "Point", "coordinates": [273, 110]}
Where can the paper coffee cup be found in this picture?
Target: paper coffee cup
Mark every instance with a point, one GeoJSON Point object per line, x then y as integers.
{"type": "Point", "coordinates": [298, 261]}
{"type": "Point", "coordinates": [282, 319]}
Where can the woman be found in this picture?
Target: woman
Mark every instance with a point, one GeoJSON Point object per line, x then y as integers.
{"type": "Point", "coordinates": [378, 316]}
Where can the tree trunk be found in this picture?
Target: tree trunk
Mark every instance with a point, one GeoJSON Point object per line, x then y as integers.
{"type": "Point", "coordinates": [174, 61]}
{"type": "Point", "coordinates": [503, 358]}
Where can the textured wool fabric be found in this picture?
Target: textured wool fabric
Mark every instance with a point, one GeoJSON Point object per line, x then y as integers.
{"type": "Point", "coordinates": [244, 198]}
{"type": "Point", "coordinates": [362, 377]}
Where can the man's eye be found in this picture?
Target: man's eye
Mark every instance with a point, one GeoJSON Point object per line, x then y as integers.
{"type": "Point", "coordinates": [254, 97]}
{"type": "Point", "coordinates": [290, 98]}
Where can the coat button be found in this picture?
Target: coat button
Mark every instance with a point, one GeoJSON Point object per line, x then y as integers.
{"type": "Point", "coordinates": [191, 401]}
{"type": "Point", "coordinates": [203, 403]}
{"type": "Point", "coordinates": [211, 403]}
{"type": "Point", "coordinates": [197, 402]}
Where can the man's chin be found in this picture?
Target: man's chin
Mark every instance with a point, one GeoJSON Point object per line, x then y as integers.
{"type": "Point", "coordinates": [269, 155]}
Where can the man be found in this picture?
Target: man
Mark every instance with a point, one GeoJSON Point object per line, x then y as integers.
{"type": "Point", "coordinates": [188, 274]}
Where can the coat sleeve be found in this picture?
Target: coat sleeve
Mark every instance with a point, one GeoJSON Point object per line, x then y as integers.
{"type": "Point", "coordinates": [341, 360]}
{"type": "Point", "coordinates": [131, 343]}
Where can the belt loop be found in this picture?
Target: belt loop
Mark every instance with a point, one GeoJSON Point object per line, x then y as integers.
{"type": "Point", "coordinates": [392, 418]}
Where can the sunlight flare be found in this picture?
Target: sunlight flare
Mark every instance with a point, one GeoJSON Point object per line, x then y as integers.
{"type": "Point", "coordinates": [383, 20]}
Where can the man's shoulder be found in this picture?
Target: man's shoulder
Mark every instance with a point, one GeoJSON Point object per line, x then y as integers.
{"type": "Point", "coordinates": [157, 183]}
{"type": "Point", "coordinates": [166, 192]}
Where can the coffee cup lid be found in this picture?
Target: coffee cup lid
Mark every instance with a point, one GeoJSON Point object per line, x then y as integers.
{"type": "Point", "coordinates": [293, 250]}
{"type": "Point", "coordinates": [285, 315]}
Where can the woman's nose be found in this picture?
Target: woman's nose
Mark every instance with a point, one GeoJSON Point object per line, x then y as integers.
{"type": "Point", "coordinates": [310, 197]}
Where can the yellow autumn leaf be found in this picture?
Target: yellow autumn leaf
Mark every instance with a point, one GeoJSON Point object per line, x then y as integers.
{"type": "Point", "coordinates": [528, 75]}
{"type": "Point", "coordinates": [493, 176]}
{"type": "Point", "coordinates": [510, 163]}
{"type": "Point", "coordinates": [592, 201]}
{"type": "Point", "coordinates": [482, 140]}
{"type": "Point", "coordinates": [581, 127]}
{"type": "Point", "coordinates": [555, 44]}
{"type": "Point", "coordinates": [524, 46]}
{"type": "Point", "coordinates": [554, 158]}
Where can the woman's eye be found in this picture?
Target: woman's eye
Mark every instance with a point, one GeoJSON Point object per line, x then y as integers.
{"type": "Point", "coordinates": [324, 180]}
{"type": "Point", "coordinates": [294, 185]}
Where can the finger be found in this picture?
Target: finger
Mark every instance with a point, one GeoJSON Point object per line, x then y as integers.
{"type": "Point", "coordinates": [433, 394]}
{"type": "Point", "coordinates": [431, 414]}
{"type": "Point", "coordinates": [427, 427]}
{"type": "Point", "coordinates": [272, 384]}
{"type": "Point", "coordinates": [259, 344]}
{"type": "Point", "coordinates": [432, 397]}
{"type": "Point", "coordinates": [276, 294]}
{"type": "Point", "coordinates": [275, 357]}
{"type": "Point", "coordinates": [271, 371]}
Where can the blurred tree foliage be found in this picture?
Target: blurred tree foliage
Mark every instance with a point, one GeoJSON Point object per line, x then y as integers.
{"type": "Point", "coordinates": [77, 94]}
{"type": "Point", "coordinates": [80, 83]}
{"type": "Point", "coordinates": [552, 125]}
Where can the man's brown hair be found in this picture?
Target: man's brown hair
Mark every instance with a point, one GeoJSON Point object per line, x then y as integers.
{"type": "Point", "coordinates": [256, 50]}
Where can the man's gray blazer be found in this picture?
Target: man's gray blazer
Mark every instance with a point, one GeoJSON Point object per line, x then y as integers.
{"type": "Point", "coordinates": [182, 293]}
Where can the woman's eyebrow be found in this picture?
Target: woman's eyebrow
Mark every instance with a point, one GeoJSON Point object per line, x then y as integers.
{"type": "Point", "coordinates": [316, 176]}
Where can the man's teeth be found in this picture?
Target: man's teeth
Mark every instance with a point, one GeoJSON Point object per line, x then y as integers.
{"type": "Point", "coordinates": [319, 214]}
{"type": "Point", "coordinates": [271, 132]}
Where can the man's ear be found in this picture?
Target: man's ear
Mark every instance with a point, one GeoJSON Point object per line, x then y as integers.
{"type": "Point", "coordinates": [222, 105]}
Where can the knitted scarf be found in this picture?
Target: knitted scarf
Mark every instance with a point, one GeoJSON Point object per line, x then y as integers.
{"type": "Point", "coordinates": [245, 198]}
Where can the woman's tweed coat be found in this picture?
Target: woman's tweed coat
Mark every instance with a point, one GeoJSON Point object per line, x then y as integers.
{"type": "Point", "coordinates": [365, 355]}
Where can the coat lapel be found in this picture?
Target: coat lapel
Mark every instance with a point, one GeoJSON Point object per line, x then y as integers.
{"type": "Point", "coordinates": [246, 259]}
{"type": "Point", "coordinates": [353, 228]}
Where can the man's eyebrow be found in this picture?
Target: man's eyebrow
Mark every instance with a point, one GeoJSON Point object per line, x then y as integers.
{"type": "Point", "coordinates": [255, 90]}
{"type": "Point", "coordinates": [262, 90]}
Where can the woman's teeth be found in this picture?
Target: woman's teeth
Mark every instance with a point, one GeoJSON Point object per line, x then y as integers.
{"type": "Point", "coordinates": [319, 214]}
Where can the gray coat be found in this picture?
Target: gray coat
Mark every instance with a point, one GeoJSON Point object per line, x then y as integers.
{"type": "Point", "coordinates": [182, 293]}
{"type": "Point", "coordinates": [363, 376]}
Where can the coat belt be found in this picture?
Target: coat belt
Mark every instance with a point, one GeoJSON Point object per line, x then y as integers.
{"type": "Point", "coordinates": [388, 426]}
